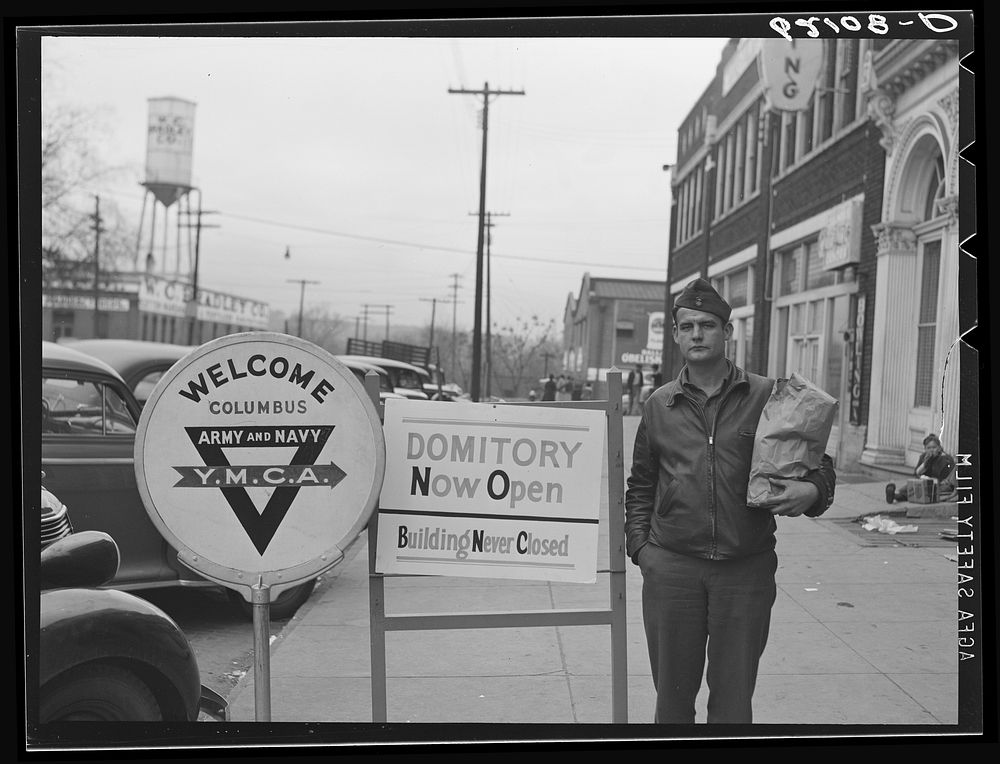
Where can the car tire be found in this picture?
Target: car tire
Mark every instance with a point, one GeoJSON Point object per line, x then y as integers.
{"type": "Point", "coordinates": [100, 693]}
{"type": "Point", "coordinates": [285, 606]}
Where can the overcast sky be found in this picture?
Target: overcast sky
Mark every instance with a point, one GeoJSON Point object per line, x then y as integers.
{"type": "Point", "coordinates": [352, 153]}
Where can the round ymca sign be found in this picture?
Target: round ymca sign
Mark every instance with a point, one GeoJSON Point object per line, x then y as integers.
{"type": "Point", "coordinates": [259, 457]}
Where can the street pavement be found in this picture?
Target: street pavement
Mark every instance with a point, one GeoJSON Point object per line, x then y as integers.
{"type": "Point", "coordinates": [864, 632]}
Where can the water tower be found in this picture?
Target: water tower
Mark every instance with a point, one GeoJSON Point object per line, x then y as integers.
{"type": "Point", "coordinates": [169, 145]}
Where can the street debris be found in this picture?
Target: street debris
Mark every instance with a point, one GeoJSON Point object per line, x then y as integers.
{"type": "Point", "coordinates": [886, 525]}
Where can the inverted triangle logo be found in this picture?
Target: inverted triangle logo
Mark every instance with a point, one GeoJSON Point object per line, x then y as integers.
{"type": "Point", "coordinates": [301, 471]}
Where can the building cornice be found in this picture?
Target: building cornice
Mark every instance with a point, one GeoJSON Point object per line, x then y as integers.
{"type": "Point", "coordinates": [904, 63]}
{"type": "Point", "coordinates": [894, 70]}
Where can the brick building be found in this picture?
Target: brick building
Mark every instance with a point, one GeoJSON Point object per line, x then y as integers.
{"type": "Point", "coordinates": [776, 208]}
{"type": "Point", "coordinates": [612, 322]}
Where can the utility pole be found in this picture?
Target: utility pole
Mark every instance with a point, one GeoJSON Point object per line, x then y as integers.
{"type": "Point", "coordinates": [302, 297]}
{"type": "Point", "coordinates": [489, 302]}
{"type": "Point", "coordinates": [433, 301]}
{"type": "Point", "coordinates": [197, 225]}
{"type": "Point", "coordinates": [387, 308]}
{"type": "Point", "coordinates": [364, 312]}
{"type": "Point", "coordinates": [98, 229]}
{"type": "Point", "coordinates": [454, 330]}
{"type": "Point", "coordinates": [477, 324]}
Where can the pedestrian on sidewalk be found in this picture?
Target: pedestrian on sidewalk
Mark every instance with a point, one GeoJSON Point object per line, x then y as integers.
{"type": "Point", "coordinates": [634, 386]}
{"type": "Point", "coordinates": [549, 390]}
{"type": "Point", "coordinates": [707, 560]}
{"type": "Point", "coordinates": [934, 462]}
{"type": "Point", "coordinates": [563, 388]}
{"type": "Point", "coordinates": [657, 376]}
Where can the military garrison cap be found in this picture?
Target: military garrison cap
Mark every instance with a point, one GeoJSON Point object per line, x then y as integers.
{"type": "Point", "coordinates": [700, 295]}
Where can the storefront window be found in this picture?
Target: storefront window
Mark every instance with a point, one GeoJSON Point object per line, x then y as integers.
{"type": "Point", "coordinates": [835, 345]}
{"type": "Point", "coordinates": [788, 264]}
{"type": "Point", "coordinates": [738, 296]}
{"type": "Point", "coordinates": [815, 275]}
{"type": "Point", "coordinates": [810, 317]}
{"type": "Point", "coordinates": [736, 288]}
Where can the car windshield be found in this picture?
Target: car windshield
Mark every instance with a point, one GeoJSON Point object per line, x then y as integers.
{"type": "Point", "coordinates": [409, 379]}
{"type": "Point", "coordinates": [83, 406]}
{"type": "Point", "coordinates": [144, 387]}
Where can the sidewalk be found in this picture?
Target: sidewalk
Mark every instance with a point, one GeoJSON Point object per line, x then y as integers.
{"type": "Point", "coordinates": [861, 633]}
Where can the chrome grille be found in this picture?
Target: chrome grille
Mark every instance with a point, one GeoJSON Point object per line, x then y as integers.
{"type": "Point", "coordinates": [55, 522]}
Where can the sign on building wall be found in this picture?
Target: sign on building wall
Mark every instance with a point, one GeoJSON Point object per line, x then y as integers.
{"type": "Point", "coordinates": [85, 302]}
{"type": "Point", "coordinates": [857, 359]}
{"type": "Point", "coordinates": [484, 491]}
{"type": "Point", "coordinates": [654, 334]}
{"type": "Point", "coordinates": [789, 70]}
{"type": "Point", "coordinates": [169, 141]}
{"type": "Point", "coordinates": [840, 239]}
{"type": "Point", "coordinates": [170, 297]}
{"type": "Point", "coordinates": [645, 356]}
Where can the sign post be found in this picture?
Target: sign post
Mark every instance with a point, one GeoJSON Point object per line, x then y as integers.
{"type": "Point", "coordinates": [261, 599]}
{"type": "Point", "coordinates": [522, 459]}
{"type": "Point", "coordinates": [259, 458]}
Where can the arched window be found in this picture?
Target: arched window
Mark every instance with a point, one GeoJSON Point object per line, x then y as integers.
{"type": "Point", "coordinates": [935, 189]}
{"type": "Point", "coordinates": [922, 183]}
{"type": "Point", "coordinates": [927, 191]}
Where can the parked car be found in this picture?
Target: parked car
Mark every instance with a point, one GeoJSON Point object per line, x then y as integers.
{"type": "Point", "coordinates": [89, 419]}
{"type": "Point", "coordinates": [139, 362]}
{"type": "Point", "coordinates": [360, 368]}
{"type": "Point", "coordinates": [438, 389]}
{"type": "Point", "coordinates": [55, 518]}
{"type": "Point", "coordinates": [407, 380]}
{"type": "Point", "coordinates": [106, 655]}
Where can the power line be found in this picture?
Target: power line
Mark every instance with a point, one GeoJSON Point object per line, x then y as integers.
{"type": "Point", "coordinates": [434, 247]}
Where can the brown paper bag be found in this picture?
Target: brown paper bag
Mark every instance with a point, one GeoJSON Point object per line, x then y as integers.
{"type": "Point", "coordinates": [791, 438]}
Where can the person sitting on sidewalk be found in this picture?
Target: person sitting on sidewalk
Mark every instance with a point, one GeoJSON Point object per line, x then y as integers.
{"type": "Point", "coordinates": [934, 462]}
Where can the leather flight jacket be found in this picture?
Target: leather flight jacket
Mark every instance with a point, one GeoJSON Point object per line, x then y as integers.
{"type": "Point", "coordinates": [688, 487]}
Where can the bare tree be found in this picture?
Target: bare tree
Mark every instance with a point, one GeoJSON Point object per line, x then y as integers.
{"type": "Point", "coordinates": [518, 354]}
{"type": "Point", "coordinates": [71, 173]}
{"type": "Point", "coordinates": [322, 327]}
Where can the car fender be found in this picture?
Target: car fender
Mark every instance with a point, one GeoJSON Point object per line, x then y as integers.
{"type": "Point", "coordinates": [83, 625]}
